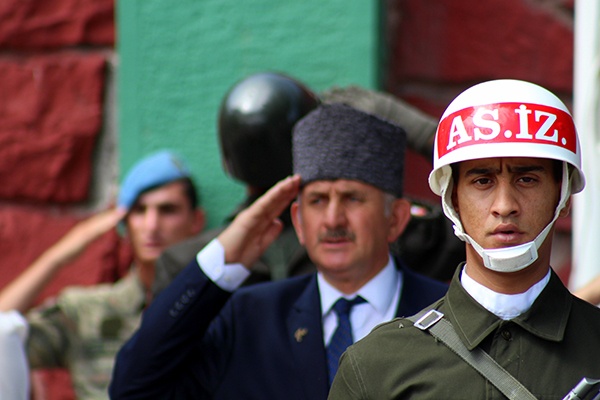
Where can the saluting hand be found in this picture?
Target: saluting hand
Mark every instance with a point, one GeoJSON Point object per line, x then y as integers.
{"type": "Point", "coordinates": [256, 227]}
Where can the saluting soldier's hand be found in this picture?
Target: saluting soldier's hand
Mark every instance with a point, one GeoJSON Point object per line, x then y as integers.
{"type": "Point", "coordinates": [255, 228]}
{"type": "Point", "coordinates": [84, 233]}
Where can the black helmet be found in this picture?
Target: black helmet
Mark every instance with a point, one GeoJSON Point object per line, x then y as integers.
{"type": "Point", "coordinates": [255, 126]}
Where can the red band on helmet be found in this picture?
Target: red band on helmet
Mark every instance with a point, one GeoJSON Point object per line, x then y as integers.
{"type": "Point", "coordinates": [506, 123]}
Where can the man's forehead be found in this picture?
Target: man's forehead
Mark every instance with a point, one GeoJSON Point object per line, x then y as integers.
{"type": "Point", "coordinates": [337, 185]}
{"type": "Point", "coordinates": [173, 192]}
{"type": "Point", "coordinates": [509, 163]}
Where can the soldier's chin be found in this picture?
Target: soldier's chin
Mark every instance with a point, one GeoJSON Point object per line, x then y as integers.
{"type": "Point", "coordinates": [150, 257]}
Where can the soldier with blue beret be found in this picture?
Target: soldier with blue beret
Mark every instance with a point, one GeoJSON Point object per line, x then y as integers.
{"type": "Point", "coordinates": [83, 328]}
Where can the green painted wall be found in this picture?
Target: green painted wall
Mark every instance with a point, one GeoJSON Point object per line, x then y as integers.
{"type": "Point", "coordinates": [176, 59]}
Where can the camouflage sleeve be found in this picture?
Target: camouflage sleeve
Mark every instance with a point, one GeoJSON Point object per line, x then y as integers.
{"type": "Point", "coordinates": [51, 335]}
{"type": "Point", "coordinates": [420, 127]}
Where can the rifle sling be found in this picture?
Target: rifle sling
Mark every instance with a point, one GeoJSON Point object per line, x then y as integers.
{"type": "Point", "coordinates": [433, 322]}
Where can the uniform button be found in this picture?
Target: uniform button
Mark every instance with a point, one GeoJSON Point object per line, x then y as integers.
{"type": "Point", "coordinates": [506, 335]}
{"type": "Point", "coordinates": [178, 306]}
{"type": "Point", "coordinates": [184, 299]}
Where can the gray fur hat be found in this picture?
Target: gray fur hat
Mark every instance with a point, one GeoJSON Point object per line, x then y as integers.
{"type": "Point", "coordinates": [340, 142]}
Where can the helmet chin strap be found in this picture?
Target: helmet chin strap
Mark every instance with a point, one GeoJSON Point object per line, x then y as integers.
{"type": "Point", "coordinates": [504, 259]}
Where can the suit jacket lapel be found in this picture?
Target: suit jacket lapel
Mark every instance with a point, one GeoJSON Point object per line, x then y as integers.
{"type": "Point", "coordinates": [407, 297]}
{"type": "Point", "coordinates": [305, 332]}
{"type": "Point", "coordinates": [417, 292]}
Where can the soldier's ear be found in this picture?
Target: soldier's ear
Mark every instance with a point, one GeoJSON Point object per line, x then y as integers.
{"type": "Point", "coordinates": [566, 209]}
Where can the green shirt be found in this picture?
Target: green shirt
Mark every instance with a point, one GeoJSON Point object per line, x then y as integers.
{"type": "Point", "coordinates": [548, 349]}
{"type": "Point", "coordinates": [83, 331]}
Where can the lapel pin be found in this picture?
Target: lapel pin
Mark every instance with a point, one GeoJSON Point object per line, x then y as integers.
{"type": "Point", "coordinates": [300, 333]}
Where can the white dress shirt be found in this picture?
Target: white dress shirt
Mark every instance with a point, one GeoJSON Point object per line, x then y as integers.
{"type": "Point", "coordinates": [14, 371]}
{"type": "Point", "coordinates": [211, 260]}
{"type": "Point", "coordinates": [505, 306]}
{"type": "Point", "coordinates": [381, 293]}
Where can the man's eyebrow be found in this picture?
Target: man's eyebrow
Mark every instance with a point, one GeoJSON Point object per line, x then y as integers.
{"type": "Point", "coordinates": [352, 193]}
{"type": "Point", "coordinates": [526, 168]}
{"type": "Point", "coordinates": [341, 192]}
{"type": "Point", "coordinates": [481, 171]}
{"type": "Point", "coordinates": [313, 193]}
{"type": "Point", "coordinates": [168, 204]}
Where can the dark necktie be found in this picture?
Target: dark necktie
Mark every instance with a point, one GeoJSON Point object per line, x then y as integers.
{"type": "Point", "coordinates": [342, 337]}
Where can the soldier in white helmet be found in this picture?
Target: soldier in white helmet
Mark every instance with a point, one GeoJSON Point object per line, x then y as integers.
{"type": "Point", "coordinates": [507, 160]}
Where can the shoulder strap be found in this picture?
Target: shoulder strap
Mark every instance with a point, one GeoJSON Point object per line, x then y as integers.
{"type": "Point", "coordinates": [433, 322]}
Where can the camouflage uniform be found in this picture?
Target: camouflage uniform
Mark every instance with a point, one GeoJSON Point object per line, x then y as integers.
{"type": "Point", "coordinates": [83, 331]}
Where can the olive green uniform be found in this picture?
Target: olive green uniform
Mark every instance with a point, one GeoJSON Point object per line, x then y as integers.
{"type": "Point", "coordinates": [548, 349]}
{"type": "Point", "coordinates": [83, 331]}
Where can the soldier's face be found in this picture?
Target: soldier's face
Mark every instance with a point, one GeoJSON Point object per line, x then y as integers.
{"type": "Point", "coordinates": [160, 218]}
{"type": "Point", "coordinates": [505, 202]}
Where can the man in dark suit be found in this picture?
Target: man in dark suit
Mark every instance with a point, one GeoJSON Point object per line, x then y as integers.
{"type": "Point", "coordinates": [255, 142]}
{"type": "Point", "coordinates": [202, 338]}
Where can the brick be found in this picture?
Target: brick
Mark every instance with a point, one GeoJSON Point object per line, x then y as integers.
{"type": "Point", "coordinates": [26, 232]}
{"type": "Point", "coordinates": [462, 41]}
{"type": "Point", "coordinates": [50, 117]}
{"type": "Point", "coordinates": [52, 384]}
{"type": "Point", "coordinates": [34, 24]}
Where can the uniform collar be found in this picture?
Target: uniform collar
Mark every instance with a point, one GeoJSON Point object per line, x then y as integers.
{"type": "Point", "coordinates": [505, 306]}
{"type": "Point", "coordinates": [547, 317]}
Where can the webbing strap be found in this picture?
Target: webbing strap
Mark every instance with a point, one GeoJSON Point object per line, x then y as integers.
{"type": "Point", "coordinates": [433, 322]}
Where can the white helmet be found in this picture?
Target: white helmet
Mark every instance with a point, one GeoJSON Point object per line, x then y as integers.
{"type": "Point", "coordinates": [505, 118]}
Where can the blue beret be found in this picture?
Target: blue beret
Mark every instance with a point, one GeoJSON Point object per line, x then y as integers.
{"type": "Point", "coordinates": [337, 141]}
{"type": "Point", "coordinates": [157, 169]}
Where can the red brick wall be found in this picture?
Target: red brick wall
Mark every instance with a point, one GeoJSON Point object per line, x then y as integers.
{"type": "Point", "coordinates": [438, 48]}
{"type": "Point", "coordinates": [53, 67]}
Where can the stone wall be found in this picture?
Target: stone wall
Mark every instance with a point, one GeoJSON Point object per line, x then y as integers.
{"type": "Point", "coordinates": [57, 141]}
